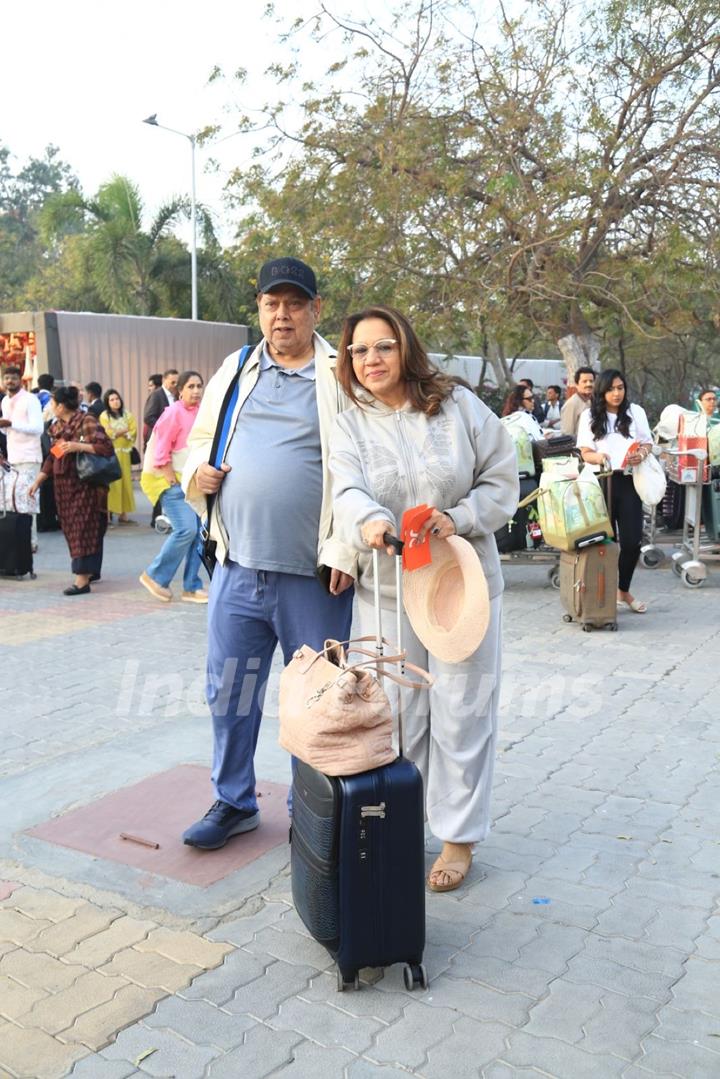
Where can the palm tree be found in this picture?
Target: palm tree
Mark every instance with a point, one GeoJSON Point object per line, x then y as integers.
{"type": "Point", "coordinates": [126, 269]}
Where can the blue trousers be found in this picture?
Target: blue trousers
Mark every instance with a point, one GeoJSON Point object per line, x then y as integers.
{"type": "Point", "coordinates": [181, 543]}
{"type": "Point", "coordinates": [249, 613]}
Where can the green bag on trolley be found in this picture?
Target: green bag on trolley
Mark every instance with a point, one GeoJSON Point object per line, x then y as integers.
{"type": "Point", "coordinates": [572, 511]}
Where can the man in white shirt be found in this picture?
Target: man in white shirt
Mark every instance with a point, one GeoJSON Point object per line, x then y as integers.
{"type": "Point", "coordinates": [23, 425]}
{"type": "Point", "coordinates": [551, 408]}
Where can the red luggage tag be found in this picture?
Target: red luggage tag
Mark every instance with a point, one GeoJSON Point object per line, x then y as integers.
{"type": "Point", "coordinates": [415, 554]}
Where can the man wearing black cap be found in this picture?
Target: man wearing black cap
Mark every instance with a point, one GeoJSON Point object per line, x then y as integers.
{"type": "Point", "coordinates": [272, 522]}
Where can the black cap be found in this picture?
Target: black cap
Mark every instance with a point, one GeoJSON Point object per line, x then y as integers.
{"type": "Point", "coordinates": [287, 271]}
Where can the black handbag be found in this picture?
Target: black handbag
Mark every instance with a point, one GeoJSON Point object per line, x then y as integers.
{"type": "Point", "coordinates": [207, 547]}
{"type": "Point", "coordinates": [560, 446]}
{"type": "Point", "coordinates": [135, 456]}
{"type": "Point", "coordinates": [97, 471]}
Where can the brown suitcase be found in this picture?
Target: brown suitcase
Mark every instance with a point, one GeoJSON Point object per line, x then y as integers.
{"type": "Point", "coordinates": [588, 585]}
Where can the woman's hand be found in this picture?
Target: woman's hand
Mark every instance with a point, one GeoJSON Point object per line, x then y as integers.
{"type": "Point", "coordinates": [72, 447]}
{"type": "Point", "coordinates": [36, 484]}
{"type": "Point", "coordinates": [169, 473]}
{"type": "Point", "coordinates": [594, 457]}
{"type": "Point", "coordinates": [639, 455]}
{"type": "Point", "coordinates": [439, 525]}
{"type": "Point", "coordinates": [373, 532]}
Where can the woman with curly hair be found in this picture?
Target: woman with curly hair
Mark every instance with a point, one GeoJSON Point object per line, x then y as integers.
{"type": "Point", "coordinates": [519, 404]}
{"type": "Point", "coordinates": [415, 436]}
{"type": "Point", "coordinates": [606, 432]}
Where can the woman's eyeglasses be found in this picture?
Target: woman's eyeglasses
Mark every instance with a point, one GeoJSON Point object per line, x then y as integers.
{"type": "Point", "coordinates": [383, 348]}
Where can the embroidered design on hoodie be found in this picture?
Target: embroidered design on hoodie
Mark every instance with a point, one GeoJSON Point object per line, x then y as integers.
{"type": "Point", "coordinates": [386, 475]}
{"type": "Point", "coordinates": [386, 480]}
{"type": "Point", "coordinates": [437, 457]}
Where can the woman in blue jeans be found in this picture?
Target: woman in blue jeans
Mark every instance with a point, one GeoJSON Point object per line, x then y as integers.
{"type": "Point", "coordinates": [164, 459]}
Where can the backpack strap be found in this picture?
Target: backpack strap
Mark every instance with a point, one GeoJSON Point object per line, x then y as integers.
{"type": "Point", "coordinates": [222, 430]}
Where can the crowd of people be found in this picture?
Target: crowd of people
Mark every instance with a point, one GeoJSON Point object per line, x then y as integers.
{"type": "Point", "coordinates": [43, 431]}
{"type": "Point", "coordinates": [324, 451]}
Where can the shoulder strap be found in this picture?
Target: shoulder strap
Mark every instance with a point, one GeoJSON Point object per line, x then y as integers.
{"type": "Point", "coordinates": [222, 431]}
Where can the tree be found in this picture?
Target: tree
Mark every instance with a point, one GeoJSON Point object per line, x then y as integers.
{"type": "Point", "coordinates": [552, 177]}
{"type": "Point", "coordinates": [23, 192]}
{"type": "Point", "coordinates": [101, 258]}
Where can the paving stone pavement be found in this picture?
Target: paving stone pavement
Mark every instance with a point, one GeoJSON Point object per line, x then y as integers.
{"type": "Point", "coordinates": [585, 942]}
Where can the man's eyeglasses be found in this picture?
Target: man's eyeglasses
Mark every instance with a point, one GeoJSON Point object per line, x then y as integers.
{"type": "Point", "coordinates": [383, 348]}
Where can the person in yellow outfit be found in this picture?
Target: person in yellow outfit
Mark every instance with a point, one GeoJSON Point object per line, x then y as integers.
{"type": "Point", "coordinates": [121, 428]}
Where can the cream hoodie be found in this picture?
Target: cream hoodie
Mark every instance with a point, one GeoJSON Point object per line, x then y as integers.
{"type": "Point", "coordinates": [462, 461]}
{"type": "Point", "coordinates": [330, 400]}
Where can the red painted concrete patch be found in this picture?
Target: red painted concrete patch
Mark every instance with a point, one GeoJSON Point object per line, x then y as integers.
{"type": "Point", "coordinates": [158, 810]}
{"type": "Point", "coordinates": [7, 887]}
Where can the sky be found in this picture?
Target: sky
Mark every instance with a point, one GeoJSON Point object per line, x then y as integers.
{"type": "Point", "coordinates": [83, 75]}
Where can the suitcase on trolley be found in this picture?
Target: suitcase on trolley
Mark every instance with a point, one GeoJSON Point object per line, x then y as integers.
{"type": "Point", "coordinates": [588, 585]}
{"type": "Point", "coordinates": [358, 858]}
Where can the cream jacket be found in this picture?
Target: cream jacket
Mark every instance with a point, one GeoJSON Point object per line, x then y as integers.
{"type": "Point", "coordinates": [330, 400]}
{"type": "Point", "coordinates": [462, 461]}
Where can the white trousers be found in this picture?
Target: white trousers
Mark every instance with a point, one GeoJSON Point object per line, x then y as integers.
{"type": "Point", "coordinates": [450, 731]}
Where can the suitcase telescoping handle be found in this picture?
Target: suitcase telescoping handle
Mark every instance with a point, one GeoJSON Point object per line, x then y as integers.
{"type": "Point", "coordinates": [391, 541]}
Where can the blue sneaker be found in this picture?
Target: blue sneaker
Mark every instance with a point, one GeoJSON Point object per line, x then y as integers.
{"type": "Point", "coordinates": [218, 825]}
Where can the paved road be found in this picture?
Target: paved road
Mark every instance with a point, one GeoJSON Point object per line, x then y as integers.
{"type": "Point", "coordinates": [585, 942]}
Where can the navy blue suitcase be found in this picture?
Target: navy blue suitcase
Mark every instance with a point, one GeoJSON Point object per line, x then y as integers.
{"type": "Point", "coordinates": [358, 862]}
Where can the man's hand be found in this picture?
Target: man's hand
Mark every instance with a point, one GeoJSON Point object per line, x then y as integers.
{"type": "Point", "coordinates": [5, 423]}
{"type": "Point", "coordinates": [208, 479]}
{"type": "Point", "coordinates": [339, 582]}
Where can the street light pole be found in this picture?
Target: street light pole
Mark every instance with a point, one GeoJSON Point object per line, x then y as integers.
{"type": "Point", "coordinates": [152, 120]}
{"type": "Point", "coordinates": [193, 230]}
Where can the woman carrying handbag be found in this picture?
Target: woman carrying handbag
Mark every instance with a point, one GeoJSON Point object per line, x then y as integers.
{"type": "Point", "coordinates": [614, 431]}
{"type": "Point", "coordinates": [81, 505]}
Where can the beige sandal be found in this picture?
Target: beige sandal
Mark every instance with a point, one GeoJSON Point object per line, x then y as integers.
{"type": "Point", "coordinates": [454, 868]}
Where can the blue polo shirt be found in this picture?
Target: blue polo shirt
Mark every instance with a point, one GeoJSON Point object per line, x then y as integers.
{"type": "Point", "coordinates": [271, 500]}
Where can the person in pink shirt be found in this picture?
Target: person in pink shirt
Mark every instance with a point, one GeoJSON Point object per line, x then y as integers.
{"type": "Point", "coordinates": [164, 459]}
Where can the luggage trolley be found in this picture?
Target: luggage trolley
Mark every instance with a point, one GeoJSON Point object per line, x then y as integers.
{"type": "Point", "coordinates": [542, 555]}
{"type": "Point", "coordinates": [652, 555]}
{"type": "Point", "coordinates": [688, 563]}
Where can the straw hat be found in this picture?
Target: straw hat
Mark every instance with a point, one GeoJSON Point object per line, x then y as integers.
{"type": "Point", "coordinates": [447, 601]}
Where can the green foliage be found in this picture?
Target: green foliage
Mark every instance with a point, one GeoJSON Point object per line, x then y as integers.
{"type": "Point", "coordinates": [23, 194]}
{"type": "Point", "coordinates": [554, 174]}
{"type": "Point", "coordinates": [60, 249]}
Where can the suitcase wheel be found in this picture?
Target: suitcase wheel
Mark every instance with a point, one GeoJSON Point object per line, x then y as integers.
{"type": "Point", "coordinates": [343, 983]}
{"type": "Point", "coordinates": [612, 626]}
{"type": "Point", "coordinates": [415, 974]}
{"type": "Point", "coordinates": [567, 618]}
